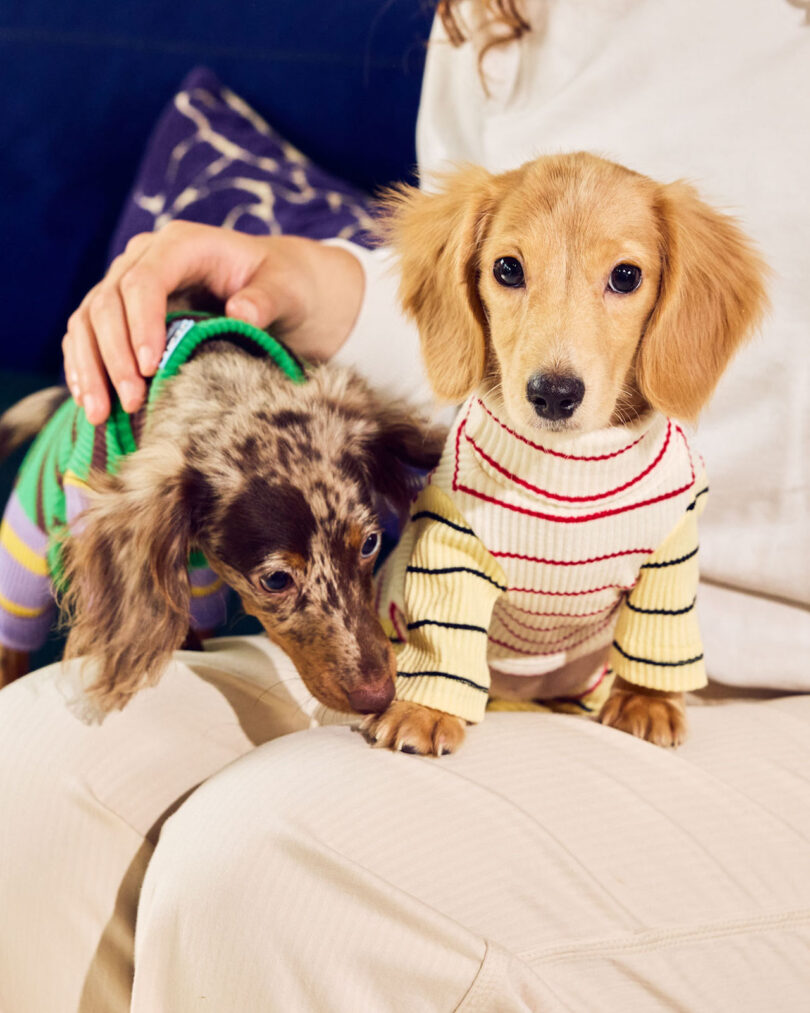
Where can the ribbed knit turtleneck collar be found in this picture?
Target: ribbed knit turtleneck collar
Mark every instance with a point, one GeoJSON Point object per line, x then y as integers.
{"type": "Point", "coordinates": [568, 469]}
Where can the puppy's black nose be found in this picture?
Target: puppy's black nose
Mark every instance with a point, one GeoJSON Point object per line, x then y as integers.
{"type": "Point", "coordinates": [554, 396]}
{"type": "Point", "coordinates": [372, 698]}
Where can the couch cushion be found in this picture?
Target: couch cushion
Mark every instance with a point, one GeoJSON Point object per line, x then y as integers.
{"type": "Point", "coordinates": [84, 83]}
{"type": "Point", "coordinates": [213, 159]}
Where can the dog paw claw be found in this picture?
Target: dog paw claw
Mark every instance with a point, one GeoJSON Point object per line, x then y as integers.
{"type": "Point", "coordinates": [411, 728]}
{"type": "Point", "coordinates": [659, 719]}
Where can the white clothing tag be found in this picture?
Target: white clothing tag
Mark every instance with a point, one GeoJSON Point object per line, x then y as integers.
{"type": "Point", "coordinates": [178, 329]}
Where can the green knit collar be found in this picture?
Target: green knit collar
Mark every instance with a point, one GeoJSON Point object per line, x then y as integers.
{"type": "Point", "coordinates": [192, 329]}
{"type": "Point", "coordinates": [186, 331]}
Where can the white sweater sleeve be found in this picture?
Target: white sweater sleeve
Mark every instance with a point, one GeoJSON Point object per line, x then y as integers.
{"type": "Point", "coordinates": [383, 345]}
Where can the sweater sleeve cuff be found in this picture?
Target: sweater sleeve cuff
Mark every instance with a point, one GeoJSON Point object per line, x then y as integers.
{"type": "Point", "coordinates": [462, 699]}
{"type": "Point", "coordinates": [383, 346]}
{"type": "Point", "coordinates": [679, 676]}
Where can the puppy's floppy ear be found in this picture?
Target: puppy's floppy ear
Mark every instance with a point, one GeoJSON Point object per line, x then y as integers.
{"type": "Point", "coordinates": [401, 448]}
{"type": "Point", "coordinates": [126, 567]}
{"type": "Point", "coordinates": [437, 236]}
{"type": "Point", "coordinates": [712, 295]}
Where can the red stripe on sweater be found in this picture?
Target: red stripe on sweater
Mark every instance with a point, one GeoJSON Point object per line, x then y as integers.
{"type": "Point", "coordinates": [557, 645]}
{"type": "Point", "coordinates": [561, 615]}
{"type": "Point", "coordinates": [572, 562]}
{"type": "Point", "coordinates": [536, 629]}
{"type": "Point", "coordinates": [458, 487]}
{"type": "Point", "coordinates": [575, 520]}
{"type": "Point", "coordinates": [462, 424]}
{"type": "Point", "coordinates": [392, 615]}
{"type": "Point", "coordinates": [557, 453]}
{"type": "Point", "coordinates": [553, 495]}
{"type": "Point", "coordinates": [511, 647]}
{"type": "Point", "coordinates": [547, 654]}
{"type": "Point", "coordinates": [572, 594]}
{"type": "Point", "coordinates": [548, 629]}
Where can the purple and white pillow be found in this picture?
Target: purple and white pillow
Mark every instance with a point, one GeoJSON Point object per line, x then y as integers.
{"type": "Point", "coordinates": [213, 159]}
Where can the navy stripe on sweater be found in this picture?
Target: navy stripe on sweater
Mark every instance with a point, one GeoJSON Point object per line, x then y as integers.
{"type": "Point", "coordinates": [661, 612]}
{"type": "Point", "coordinates": [442, 520]}
{"type": "Point", "coordinates": [446, 675]}
{"type": "Point", "coordinates": [670, 562]}
{"type": "Point", "coordinates": [693, 504]}
{"type": "Point", "coordinates": [455, 569]}
{"type": "Point", "coordinates": [661, 664]}
{"type": "Point", "coordinates": [446, 625]}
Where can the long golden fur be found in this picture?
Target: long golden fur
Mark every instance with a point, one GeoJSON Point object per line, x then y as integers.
{"type": "Point", "coordinates": [570, 220]}
{"type": "Point", "coordinates": [265, 477]}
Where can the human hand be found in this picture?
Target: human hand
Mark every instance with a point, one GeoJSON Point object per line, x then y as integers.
{"type": "Point", "coordinates": [310, 293]}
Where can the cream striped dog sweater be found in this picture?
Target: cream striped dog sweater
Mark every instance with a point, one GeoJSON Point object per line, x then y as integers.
{"type": "Point", "coordinates": [526, 551]}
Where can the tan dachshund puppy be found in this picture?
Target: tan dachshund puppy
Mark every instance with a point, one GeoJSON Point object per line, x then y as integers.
{"type": "Point", "coordinates": [579, 308]}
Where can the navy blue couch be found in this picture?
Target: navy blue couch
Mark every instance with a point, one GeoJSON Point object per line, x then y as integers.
{"type": "Point", "coordinates": [82, 86]}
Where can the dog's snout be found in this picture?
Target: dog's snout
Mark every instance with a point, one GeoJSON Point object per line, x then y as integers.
{"type": "Point", "coordinates": [555, 396]}
{"type": "Point", "coordinates": [372, 698]}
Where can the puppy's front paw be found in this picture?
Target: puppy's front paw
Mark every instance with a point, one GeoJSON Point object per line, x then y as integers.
{"type": "Point", "coordinates": [659, 718]}
{"type": "Point", "coordinates": [412, 728]}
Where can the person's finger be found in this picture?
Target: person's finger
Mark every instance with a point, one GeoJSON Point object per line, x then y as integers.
{"type": "Point", "coordinates": [79, 327]}
{"type": "Point", "coordinates": [272, 296]}
{"type": "Point", "coordinates": [132, 283]}
{"type": "Point", "coordinates": [87, 367]}
{"type": "Point", "coordinates": [111, 332]}
{"type": "Point", "coordinates": [71, 373]}
{"type": "Point", "coordinates": [144, 295]}
{"type": "Point", "coordinates": [254, 305]}
{"type": "Point", "coordinates": [181, 254]}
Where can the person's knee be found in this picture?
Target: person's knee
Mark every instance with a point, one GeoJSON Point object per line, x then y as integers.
{"type": "Point", "coordinates": [33, 719]}
{"type": "Point", "coordinates": [227, 833]}
{"type": "Point", "coordinates": [280, 877]}
{"type": "Point", "coordinates": [217, 893]}
{"type": "Point", "coordinates": [257, 798]}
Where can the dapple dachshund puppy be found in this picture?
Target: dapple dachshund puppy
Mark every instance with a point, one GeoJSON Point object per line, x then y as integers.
{"type": "Point", "coordinates": [580, 309]}
{"type": "Point", "coordinates": [277, 483]}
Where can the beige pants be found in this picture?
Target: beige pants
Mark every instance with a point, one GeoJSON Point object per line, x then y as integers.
{"type": "Point", "coordinates": [551, 864]}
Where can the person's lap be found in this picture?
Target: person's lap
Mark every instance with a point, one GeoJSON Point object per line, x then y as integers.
{"type": "Point", "coordinates": [590, 869]}
{"type": "Point", "coordinates": [83, 805]}
{"type": "Point", "coordinates": [550, 862]}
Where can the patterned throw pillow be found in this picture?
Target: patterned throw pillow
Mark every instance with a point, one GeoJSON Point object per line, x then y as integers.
{"type": "Point", "coordinates": [213, 159]}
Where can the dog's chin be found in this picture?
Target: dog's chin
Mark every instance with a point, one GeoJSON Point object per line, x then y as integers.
{"type": "Point", "coordinates": [556, 425]}
{"type": "Point", "coordinates": [586, 419]}
{"type": "Point", "coordinates": [580, 423]}
{"type": "Point", "coordinates": [530, 422]}
{"type": "Point", "coordinates": [523, 418]}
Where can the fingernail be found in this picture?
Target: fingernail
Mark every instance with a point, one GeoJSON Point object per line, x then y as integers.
{"type": "Point", "coordinates": [146, 360]}
{"type": "Point", "coordinates": [130, 395]}
{"type": "Point", "coordinates": [90, 406]}
{"type": "Point", "coordinates": [242, 309]}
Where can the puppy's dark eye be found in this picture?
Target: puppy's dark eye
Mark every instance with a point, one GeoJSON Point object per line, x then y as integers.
{"type": "Point", "coordinates": [508, 271]}
{"type": "Point", "coordinates": [277, 581]}
{"type": "Point", "coordinates": [370, 545]}
{"type": "Point", "coordinates": [624, 278]}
